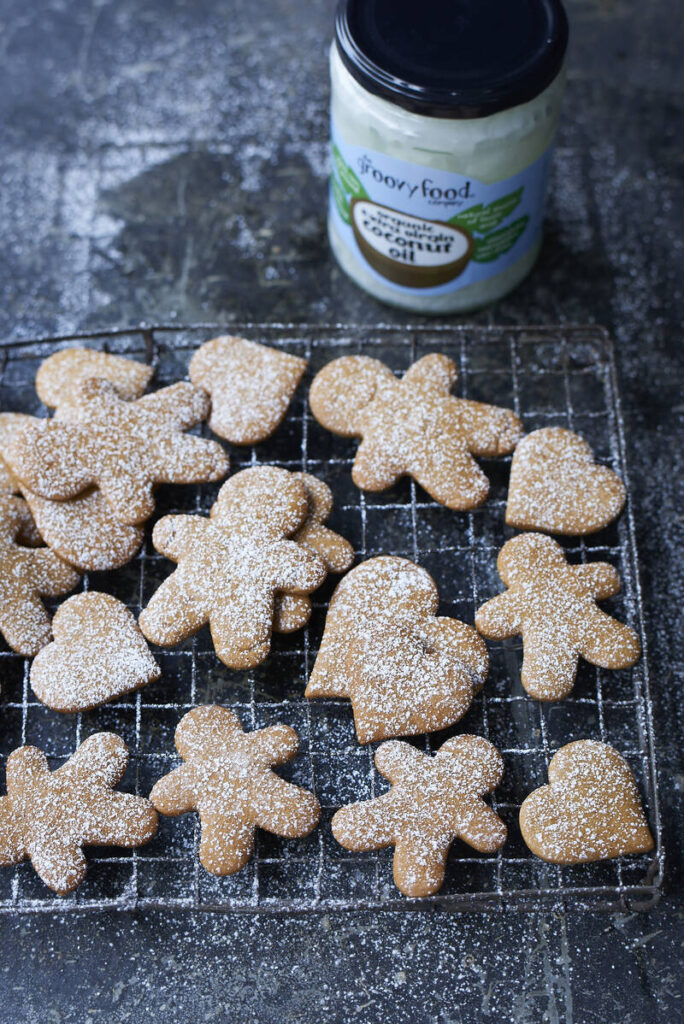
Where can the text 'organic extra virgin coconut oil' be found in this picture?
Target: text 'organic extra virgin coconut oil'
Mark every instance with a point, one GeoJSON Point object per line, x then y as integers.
{"type": "Point", "coordinates": [442, 122]}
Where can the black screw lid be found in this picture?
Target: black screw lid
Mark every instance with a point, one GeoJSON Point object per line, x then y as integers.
{"type": "Point", "coordinates": [453, 58]}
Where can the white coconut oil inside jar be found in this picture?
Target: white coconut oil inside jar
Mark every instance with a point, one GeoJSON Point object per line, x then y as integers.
{"type": "Point", "coordinates": [432, 213]}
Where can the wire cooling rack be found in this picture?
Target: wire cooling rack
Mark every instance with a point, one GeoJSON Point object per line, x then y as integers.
{"type": "Point", "coordinates": [564, 376]}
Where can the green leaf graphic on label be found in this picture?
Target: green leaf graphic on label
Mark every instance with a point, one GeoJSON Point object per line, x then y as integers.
{"type": "Point", "coordinates": [350, 182]}
{"type": "Point", "coordinates": [499, 242]}
{"type": "Point", "coordinates": [484, 219]}
{"type": "Point", "coordinates": [340, 200]}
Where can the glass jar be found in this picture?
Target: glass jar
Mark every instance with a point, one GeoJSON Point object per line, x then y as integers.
{"type": "Point", "coordinates": [443, 118]}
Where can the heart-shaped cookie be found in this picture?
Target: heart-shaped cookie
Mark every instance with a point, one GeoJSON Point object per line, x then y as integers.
{"type": "Point", "coordinates": [590, 809]}
{"type": "Point", "coordinates": [98, 654]}
{"type": "Point", "coordinates": [557, 487]}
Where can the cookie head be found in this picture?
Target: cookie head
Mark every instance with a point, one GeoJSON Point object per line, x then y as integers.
{"type": "Point", "coordinates": [264, 499]}
{"type": "Point", "coordinates": [344, 389]}
{"type": "Point", "coordinates": [522, 558]}
{"type": "Point", "coordinates": [589, 811]}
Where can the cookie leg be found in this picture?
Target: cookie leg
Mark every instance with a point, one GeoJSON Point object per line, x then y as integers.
{"type": "Point", "coordinates": [291, 612]}
{"type": "Point", "coordinates": [284, 809]}
{"type": "Point", "coordinates": [549, 668]}
{"type": "Point", "coordinates": [25, 624]}
{"type": "Point", "coordinates": [227, 843]}
{"type": "Point", "coordinates": [241, 630]}
{"type": "Point", "coordinates": [12, 849]}
{"type": "Point", "coordinates": [609, 643]}
{"type": "Point", "coordinates": [373, 468]}
{"type": "Point", "coordinates": [451, 477]}
{"type": "Point", "coordinates": [60, 864]}
{"type": "Point", "coordinates": [419, 870]}
{"type": "Point", "coordinates": [484, 831]}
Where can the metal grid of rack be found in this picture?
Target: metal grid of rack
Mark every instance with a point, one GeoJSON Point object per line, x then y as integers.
{"type": "Point", "coordinates": [563, 376]}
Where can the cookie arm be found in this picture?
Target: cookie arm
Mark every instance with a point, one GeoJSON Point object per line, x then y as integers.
{"type": "Point", "coordinates": [609, 643]}
{"type": "Point", "coordinates": [175, 793]}
{"type": "Point", "coordinates": [181, 405]}
{"type": "Point", "coordinates": [336, 553]}
{"type": "Point", "coordinates": [175, 536]}
{"type": "Point", "coordinates": [292, 568]}
{"type": "Point", "coordinates": [274, 745]}
{"type": "Point", "coordinates": [367, 825]}
{"type": "Point", "coordinates": [184, 459]}
{"type": "Point", "coordinates": [500, 617]}
{"type": "Point", "coordinates": [25, 624]}
{"type": "Point", "coordinates": [489, 429]}
{"type": "Point", "coordinates": [100, 762]}
{"type": "Point", "coordinates": [120, 819]}
{"type": "Point", "coordinates": [434, 372]}
{"type": "Point", "coordinates": [601, 579]}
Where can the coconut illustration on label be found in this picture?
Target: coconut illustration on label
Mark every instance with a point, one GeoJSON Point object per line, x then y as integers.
{"type": "Point", "coordinates": [410, 251]}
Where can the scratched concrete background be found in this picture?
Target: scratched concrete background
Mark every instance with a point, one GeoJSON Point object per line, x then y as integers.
{"type": "Point", "coordinates": [166, 160]}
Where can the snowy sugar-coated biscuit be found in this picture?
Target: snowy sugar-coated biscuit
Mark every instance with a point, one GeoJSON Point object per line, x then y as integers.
{"type": "Point", "coordinates": [432, 801]}
{"type": "Point", "coordinates": [553, 605]}
{"type": "Point", "coordinates": [98, 653]}
{"type": "Point", "coordinates": [60, 374]}
{"type": "Point", "coordinates": [49, 816]}
{"type": "Point", "coordinates": [293, 611]}
{"type": "Point", "coordinates": [26, 575]}
{"type": "Point", "coordinates": [413, 426]}
{"type": "Point", "coordinates": [404, 669]}
{"type": "Point", "coordinates": [227, 778]}
{"type": "Point", "coordinates": [251, 386]}
{"type": "Point", "coordinates": [10, 424]}
{"type": "Point", "coordinates": [232, 565]}
{"type": "Point", "coordinates": [590, 809]}
{"type": "Point", "coordinates": [84, 531]}
{"type": "Point", "coordinates": [557, 487]}
{"type": "Point", "coordinates": [123, 447]}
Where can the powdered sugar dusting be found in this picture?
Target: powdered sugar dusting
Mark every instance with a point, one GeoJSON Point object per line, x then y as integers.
{"type": "Point", "coordinates": [589, 811]}
{"type": "Point", "coordinates": [553, 605]}
{"type": "Point", "coordinates": [404, 670]}
{"type": "Point", "coordinates": [98, 654]}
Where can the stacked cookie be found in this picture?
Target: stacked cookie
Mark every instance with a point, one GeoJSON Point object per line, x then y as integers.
{"type": "Point", "coordinates": [248, 569]}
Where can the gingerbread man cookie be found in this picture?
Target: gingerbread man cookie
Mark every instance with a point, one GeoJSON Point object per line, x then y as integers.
{"type": "Point", "coordinates": [50, 816]}
{"type": "Point", "coordinates": [124, 448]}
{"type": "Point", "coordinates": [432, 801]}
{"type": "Point", "coordinates": [405, 670]}
{"type": "Point", "coordinates": [250, 385]}
{"type": "Point", "coordinates": [231, 566]}
{"type": "Point", "coordinates": [413, 426]}
{"type": "Point", "coordinates": [98, 653]}
{"type": "Point", "coordinates": [84, 531]}
{"type": "Point", "coordinates": [590, 809]}
{"type": "Point", "coordinates": [293, 611]}
{"type": "Point", "coordinates": [61, 373]}
{"type": "Point", "coordinates": [26, 575]}
{"type": "Point", "coordinates": [553, 605]}
{"type": "Point", "coordinates": [227, 777]}
{"type": "Point", "coordinates": [556, 486]}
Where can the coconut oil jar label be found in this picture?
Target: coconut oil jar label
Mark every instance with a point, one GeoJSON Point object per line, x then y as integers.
{"type": "Point", "coordinates": [416, 227]}
{"type": "Point", "coordinates": [443, 116]}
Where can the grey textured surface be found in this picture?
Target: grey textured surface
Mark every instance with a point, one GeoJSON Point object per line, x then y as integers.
{"type": "Point", "coordinates": [166, 160]}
